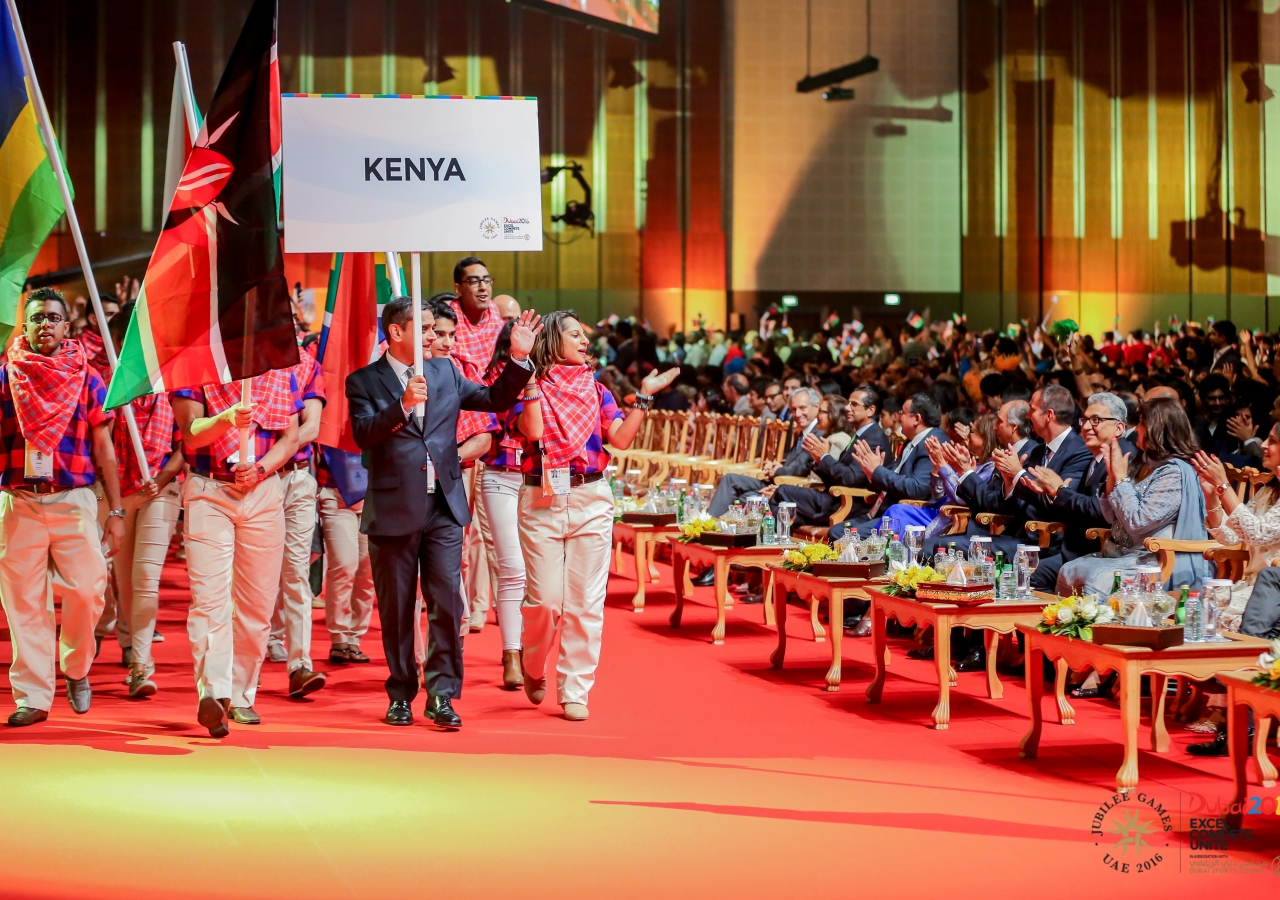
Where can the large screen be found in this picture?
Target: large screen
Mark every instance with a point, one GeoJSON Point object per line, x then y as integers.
{"type": "Point", "coordinates": [624, 15]}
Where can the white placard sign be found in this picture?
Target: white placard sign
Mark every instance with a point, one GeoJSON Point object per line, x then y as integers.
{"type": "Point", "coordinates": [371, 174]}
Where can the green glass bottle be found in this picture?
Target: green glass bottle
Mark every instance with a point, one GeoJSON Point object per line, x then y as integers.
{"type": "Point", "coordinates": [1180, 616]}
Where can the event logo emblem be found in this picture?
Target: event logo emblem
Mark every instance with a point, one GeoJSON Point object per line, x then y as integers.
{"type": "Point", "coordinates": [1132, 832]}
{"type": "Point", "coordinates": [489, 228]}
{"type": "Point", "coordinates": [1275, 867]}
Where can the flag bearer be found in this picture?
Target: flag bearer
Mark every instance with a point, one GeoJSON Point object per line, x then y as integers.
{"type": "Point", "coordinates": [234, 530]}
{"type": "Point", "coordinates": [54, 437]}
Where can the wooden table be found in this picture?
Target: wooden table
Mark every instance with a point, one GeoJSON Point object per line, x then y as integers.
{"type": "Point", "coordinates": [816, 588]}
{"type": "Point", "coordinates": [1198, 661]}
{"type": "Point", "coordinates": [994, 618]}
{"type": "Point", "coordinates": [645, 538]}
{"type": "Point", "coordinates": [720, 558]}
{"type": "Point", "coordinates": [1243, 695]}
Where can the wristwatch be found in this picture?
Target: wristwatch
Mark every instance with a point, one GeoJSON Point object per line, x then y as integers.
{"type": "Point", "coordinates": [262, 473]}
{"type": "Point", "coordinates": [116, 512]}
{"type": "Point", "coordinates": [1223, 488]}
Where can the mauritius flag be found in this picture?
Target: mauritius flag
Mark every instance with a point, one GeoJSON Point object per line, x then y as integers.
{"type": "Point", "coordinates": [352, 335]}
{"type": "Point", "coordinates": [214, 305]}
{"type": "Point", "coordinates": [30, 203]}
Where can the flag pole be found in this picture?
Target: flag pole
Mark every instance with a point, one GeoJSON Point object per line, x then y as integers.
{"type": "Point", "coordinates": [188, 96]}
{"type": "Point", "coordinates": [246, 397]}
{"type": "Point", "coordinates": [55, 162]}
{"type": "Point", "coordinates": [415, 278]}
{"type": "Point", "coordinates": [393, 273]}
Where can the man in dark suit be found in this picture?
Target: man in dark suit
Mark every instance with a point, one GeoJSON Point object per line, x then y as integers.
{"type": "Point", "coordinates": [1053, 411]}
{"type": "Point", "coordinates": [1222, 338]}
{"type": "Point", "coordinates": [733, 487]}
{"type": "Point", "coordinates": [416, 507]}
{"type": "Point", "coordinates": [906, 479]}
{"type": "Point", "coordinates": [1076, 503]}
{"type": "Point", "coordinates": [862, 413]}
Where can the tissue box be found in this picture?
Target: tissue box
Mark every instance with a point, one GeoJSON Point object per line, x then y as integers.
{"type": "Point", "coordinates": [1138, 636]}
{"type": "Point", "coordinates": [716, 539]}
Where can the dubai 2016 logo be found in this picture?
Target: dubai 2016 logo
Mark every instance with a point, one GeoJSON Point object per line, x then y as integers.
{"type": "Point", "coordinates": [1132, 831]}
{"type": "Point", "coordinates": [489, 228]}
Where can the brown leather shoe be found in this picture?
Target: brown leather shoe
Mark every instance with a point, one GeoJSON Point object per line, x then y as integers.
{"type": "Point", "coordinates": [304, 681]}
{"type": "Point", "coordinates": [575, 712]}
{"type": "Point", "coordinates": [512, 676]}
{"type": "Point", "coordinates": [534, 690]}
{"type": "Point", "coordinates": [212, 714]}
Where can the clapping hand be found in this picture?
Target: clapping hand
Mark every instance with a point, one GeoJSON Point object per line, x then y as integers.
{"type": "Point", "coordinates": [936, 456]}
{"type": "Point", "coordinates": [957, 456]}
{"type": "Point", "coordinates": [1211, 471]}
{"type": "Point", "coordinates": [525, 329]}
{"type": "Point", "coordinates": [1046, 481]}
{"type": "Point", "coordinates": [1229, 372]}
{"type": "Point", "coordinates": [815, 446]}
{"type": "Point", "coordinates": [1117, 466]}
{"type": "Point", "coordinates": [1006, 461]}
{"type": "Point", "coordinates": [769, 466]}
{"type": "Point", "coordinates": [962, 432]}
{"type": "Point", "coordinates": [1241, 427]}
{"type": "Point", "coordinates": [869, 459]}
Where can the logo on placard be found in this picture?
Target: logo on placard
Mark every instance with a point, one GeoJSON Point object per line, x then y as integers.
{"type": "Point", "coordinates": [489, 228]}
{"type": "Point", "coordinates": [1133, 831]}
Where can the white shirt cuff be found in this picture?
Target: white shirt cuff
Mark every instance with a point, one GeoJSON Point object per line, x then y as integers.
{"type": "Point", "coordinates": [1014, 484]}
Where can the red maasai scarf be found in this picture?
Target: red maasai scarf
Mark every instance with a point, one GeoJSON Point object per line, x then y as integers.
{"type": "Point", "coordinates": [273, 406]}
{"type": "Point", "coordinates": [472, 350]}
{"type": "Point", "coordinates": [96, 351]}
{"type": "Point", "coordinates": [570, 412]}
{"type": "Point", "coordinates": [43, 386]}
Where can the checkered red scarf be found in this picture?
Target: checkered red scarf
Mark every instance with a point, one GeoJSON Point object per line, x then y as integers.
{"type": "Point", "coordinates": [96, 351]}
{"type": "Point", "coordinates": [570, 412]}
{"type": "Point", "coordinates": [43, 386]}
{"type": "Point", "coordinates": [154, 416]}
{"type": "Point", "coordinates": [472, 350]}
{"type": "Point", "coordinates": [273, 406]}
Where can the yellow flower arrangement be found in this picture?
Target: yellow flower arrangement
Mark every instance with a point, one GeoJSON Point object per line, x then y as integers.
{"type": "Point", "coordinates": [1075, 617]}
{"type": "Point", "coordinates": [803, 559]}
{"type": "Point", "coordinates": [1269, 662]}
{"type": "Point", "coordinates": [905, 581]}
{"type": "Point", "coordinates": [694, 529]}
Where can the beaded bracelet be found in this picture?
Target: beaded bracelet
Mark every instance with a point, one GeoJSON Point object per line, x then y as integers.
{"type": "Point", "coordinates": [643, 402]}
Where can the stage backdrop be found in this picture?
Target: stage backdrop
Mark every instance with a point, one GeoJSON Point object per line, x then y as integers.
{"type": "Point", "coordinates": [379, 173]}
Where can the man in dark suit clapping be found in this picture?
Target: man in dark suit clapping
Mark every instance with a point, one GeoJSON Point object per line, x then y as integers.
{"type": "Point", "coordinates": [416, 508]}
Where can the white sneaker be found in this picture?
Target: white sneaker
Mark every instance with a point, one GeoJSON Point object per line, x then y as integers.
{"type": "Point", "coordinates": [276, 653]}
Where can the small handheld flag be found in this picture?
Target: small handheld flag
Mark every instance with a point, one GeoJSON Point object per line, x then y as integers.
{"type": "Point", "coordinates": [915, 320]}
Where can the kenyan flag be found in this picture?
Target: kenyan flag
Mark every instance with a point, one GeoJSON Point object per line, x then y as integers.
{"type": "Point", "coordinates": [214, 305]}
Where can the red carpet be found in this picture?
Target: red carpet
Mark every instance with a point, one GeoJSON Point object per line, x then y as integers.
{"type": "Point", "coordinates": [701, 772]}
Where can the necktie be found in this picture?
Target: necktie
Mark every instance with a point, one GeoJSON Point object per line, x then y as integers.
{"type": "Point", "coordinates": [408, 375]}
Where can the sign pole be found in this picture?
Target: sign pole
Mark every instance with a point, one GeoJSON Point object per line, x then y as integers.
{"type": "Point", "coordinates": [393, 273]}
{"type": "Point", "coordinates": [55, 162]}
{"type": "Point", "coordinates": [416, 281]}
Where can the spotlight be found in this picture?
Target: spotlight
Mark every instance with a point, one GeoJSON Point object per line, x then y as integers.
{"type": "Point", "coordinates": [838, 93]}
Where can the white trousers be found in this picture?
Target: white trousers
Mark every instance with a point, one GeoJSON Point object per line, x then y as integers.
{"type": "Point", "coordinates": [566, 543]}
{"type": "Point", "coordinates": [44, 536]}
{"type": "Point", "coordinates": [348, 577]}
{"type": "Point", "coordinates": [149, 523]}
{"type": "Point", "coordinates": [235, 545]}
{"type": "Point", "coordinates": [477, 544]}
{"type": "Point", "coordinates": [500, 500]}
{"type": "Point", "coordinates": [291, 619]}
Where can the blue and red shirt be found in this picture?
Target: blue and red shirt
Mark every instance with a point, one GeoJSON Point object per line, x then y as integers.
{"type": "Point", "coordinates": [73, 459]}
{"type": "Point", "coordinates": [202, 459]}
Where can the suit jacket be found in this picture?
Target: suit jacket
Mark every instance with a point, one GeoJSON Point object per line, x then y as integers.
{"type": "Point", "coordinates": [395, 448]}
{"type": "Point", "coordinates": [798, 462]}
{"type": "Point", "coordinates": [1071, 461]}
{"type": "Point", "coordinates": [845, 470]}
{"type": "Point", "coordinates": [1077, 506]}
{"type": "Point", "coordinates": [912, 482]}
{"type": "Point", "coordinates": [987, 494]}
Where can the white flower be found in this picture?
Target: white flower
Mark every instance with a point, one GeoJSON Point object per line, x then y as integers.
{"type": "Point", "coordinates": [1265, 660]}
{"type": "Point", "coordinates": [1065, 616]}
{"type": "Point", "coordinates": [1088, 609]}
{"type": "Point", "coordinates": [1105, 616]}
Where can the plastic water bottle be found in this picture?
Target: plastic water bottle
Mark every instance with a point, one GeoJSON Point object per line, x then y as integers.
{"type": "Point", "coordinates": [1008, 583]}
{"type": "Point", "coordinates": [896, 553]}
{"type": "Point", "coordinates": [767, 528]}
{"type": "Point", "coordinates": [618, 488]}
{"type": "Point", "coordinates": [1193, 629]}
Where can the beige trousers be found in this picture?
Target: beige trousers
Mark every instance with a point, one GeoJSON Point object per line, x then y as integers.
{"type": "Point", "coordinates": [235, 545]}
{"type": "Point", "coordinates": [291, 620]}
{"type": "Point", "coordinates": [566, 543]}
{"type": "Point", "coordinates": [44, 536]}
{"type": "Point", "coordinates": [478, 561]}
{"type": "Point", "coordinates": [149, 523]}
{"type": "Point", "coordinates": [348, 577]}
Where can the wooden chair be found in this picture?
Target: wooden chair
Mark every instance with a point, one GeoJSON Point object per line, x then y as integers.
{"type": "Point", "coordinates": [1044, 531]}
{"type": "Point", "coordinates": [774, 445]}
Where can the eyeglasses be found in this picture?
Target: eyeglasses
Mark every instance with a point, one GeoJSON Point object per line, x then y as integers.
{"type": "Point", "coordinates": [477, 280]}
{"type": "Point", "coordinates": [1096, 421]}
{"type": "Point", "coordinates": [42, 318]}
